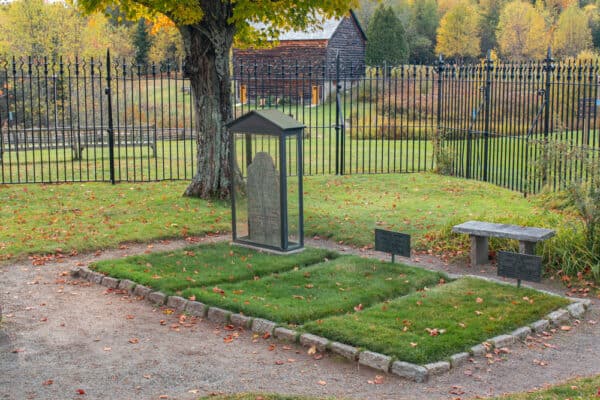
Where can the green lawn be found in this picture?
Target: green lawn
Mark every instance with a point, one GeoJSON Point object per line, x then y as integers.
{"type": "Point", "coordinates": [465, 312]}
{"type": "Point", "coordinates": [90, 216]}
{"type": "Point", "coordinates": [328, 288]}
{"type": "Point", "coordinates": [409, 313]}
{"type": "Point", "coordinates": [205, 265]}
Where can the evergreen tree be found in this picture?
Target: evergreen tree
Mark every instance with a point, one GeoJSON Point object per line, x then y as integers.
{"type": "Point", "coordinates": [386, 38]}
{"type": "Point", "coordinates": [142, 42]}
{"type": "Point", "coordinates": [489, 16]}
{"type": "Point", "coordinates": [424, 23]}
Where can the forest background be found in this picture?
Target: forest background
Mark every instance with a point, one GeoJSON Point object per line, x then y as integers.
{"type": "Point", "coordinates": [399, 31]}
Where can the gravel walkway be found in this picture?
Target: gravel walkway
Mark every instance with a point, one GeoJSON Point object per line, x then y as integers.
{"type": "Point", "coordinates": [63, 339]}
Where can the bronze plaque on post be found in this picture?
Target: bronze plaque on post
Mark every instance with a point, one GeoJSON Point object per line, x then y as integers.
{"type": "Point", "coordinates": [520, 266]}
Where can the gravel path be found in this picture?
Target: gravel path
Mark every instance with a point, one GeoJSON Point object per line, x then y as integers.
{"type": "Point", "coordinates": [61, 339]}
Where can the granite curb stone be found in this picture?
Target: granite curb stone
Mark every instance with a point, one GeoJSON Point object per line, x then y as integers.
{"type": "Point", "coordinates": [459, 359]}
{"type": "Point", "coordinates": [218, 315]}
{"type": "Point", "coordinates": [344, 350]}
{"type": "Point", "coordinates": [95, 277]}
{"type": "Point", "coordinates": [375, 360]}
{"type": "Point", "coordinates": [196, 308]}
{"type": "Point", "coordinates": [522, 332]}
{"type": "Point", "coordinates": [410, 371]}
{"type": "Point", "coordinates": [177, 302]}
{"type": "Point", "coordinates": [437, 368]}
{"type": "Point", "coordinates": [260, 325]}
{"type": "Point", "coordinates": [126, 284]}
{"type": "Point", "coordinates": [540, 326]}
{"type": "Point", "coordinates": [109, 282]}
{"type": "Point", "coordinates": [479, 350]}
{"type": "Point", "coordinates": [286, 334]}
{"type": "Point", "coordinates": [308, 340]}
{"type": "Point", "coordinates": [502, 341]}
{"type": "Point", "coordinates": [158, 298]}
{"type": "Point", "coordinates": [558, 317]}
{"type": "Point", "coordinates": [141, 291]}
{"type": "Point", "coordinates": [240, 320]}
{"type": "Point", "coordinates": [576, 310]}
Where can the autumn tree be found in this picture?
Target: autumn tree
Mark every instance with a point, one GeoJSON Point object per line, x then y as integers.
{"type": "Point", "coordinates": [572, 34]}
{"type": "Point", "coordinates": [387, 38]}
{"type": "Point", "coordinates": [458, 34]}
{"type": "Point", "coordinates": [521, 32]}
{"type": "Point", "coordinates": [208, 29]}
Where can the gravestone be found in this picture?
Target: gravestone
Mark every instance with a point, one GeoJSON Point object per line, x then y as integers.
{"type": "Point", "coordinates": [264, 214]}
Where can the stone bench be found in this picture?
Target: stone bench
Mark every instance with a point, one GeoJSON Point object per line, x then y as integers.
{"type": "Point", "coordinates": [480, 231]}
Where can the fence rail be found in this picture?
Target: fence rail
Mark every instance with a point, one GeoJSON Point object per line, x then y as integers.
{"type": "Point", "coordinates": [489, 121]}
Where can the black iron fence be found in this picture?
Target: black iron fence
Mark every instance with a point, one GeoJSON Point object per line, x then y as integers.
{"type": "Point", "coordinates": [492, 121]}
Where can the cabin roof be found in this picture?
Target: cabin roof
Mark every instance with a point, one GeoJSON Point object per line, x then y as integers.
{"type": "Point", "coordinates": [323, 32]}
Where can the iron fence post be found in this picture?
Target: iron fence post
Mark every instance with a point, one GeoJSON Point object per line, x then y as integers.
{"type": "Point", "coordinates": [110, 130]}
{"type": "Point", "coordinates": [548, 68]}
{"type": "Point", "coordinates": [489, 66]}
{"type": "Point", "coordinates": [339, 148]}
{"type": "Point", "coordinates": [440, 82]}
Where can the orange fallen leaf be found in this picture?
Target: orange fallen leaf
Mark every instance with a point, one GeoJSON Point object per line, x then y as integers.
{"type": "Point", "coordinates": [134, 340]}
{"type": "Point", "coordinates": [48, 382]}
{"type": "Point", "coordinates": [322, 383]}
{"type": "Point", "coordinates": [565, 328]}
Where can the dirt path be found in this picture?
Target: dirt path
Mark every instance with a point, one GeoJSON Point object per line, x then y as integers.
{"type": "Point", "coordinates": [59, 336]}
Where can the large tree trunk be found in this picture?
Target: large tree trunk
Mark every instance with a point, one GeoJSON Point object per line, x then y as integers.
{"type": "Point", "coordinates": [207, 46]}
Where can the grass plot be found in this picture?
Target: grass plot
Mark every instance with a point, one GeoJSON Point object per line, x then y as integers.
{"type": "Point", "coordinates": [433, 324]}
{"type": "Point", "coordinates": [205, 265]}
{"type": "Point", "coordinates": [329, 288]}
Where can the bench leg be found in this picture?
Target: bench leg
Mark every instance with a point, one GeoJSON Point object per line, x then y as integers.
{"type": "Point", "coordinates": [479, 250]}
{"type": "Point", "coordinates": [527, 247]}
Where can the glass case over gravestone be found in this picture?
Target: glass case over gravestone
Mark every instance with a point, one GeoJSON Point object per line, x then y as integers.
{"type": "Point", "coordinates": [267, 209]}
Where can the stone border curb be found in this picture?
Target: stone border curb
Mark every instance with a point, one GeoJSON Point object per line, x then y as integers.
{"type": "Point", "coordinates": [380, 362]}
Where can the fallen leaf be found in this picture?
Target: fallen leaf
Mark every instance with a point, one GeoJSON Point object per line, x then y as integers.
{"type": "Point", "coordinates": [565, 328]}
{"type": "Point", "coordinates": [318, 356]}
{"type": "Point", "coordinates": [322, 383]}
{"type": "Point", "coordinates": [80, 392]}
{"type": "Point", "coordinates": [107, 349]}
{"type": "Point", "coordinates": [129, 316]}
{"type": "Point", "coordinates": [48, 382]}
{"type": "Point", "coordinates": [272, 347]}
{"type": "Point", "coordinates": [312, 350]}
{"type": "Point", "coordinates": [279, 362]}
{"type": "Point", "coordinates": [134, 340]}
{"type": "Point", "coordinates": [413, 344]}
{"type": "Point", "coordinates": [358, 307]}
{"type": "Point", "coordinates": [192, 298]}
{"type": "Point", "coordinates": [479, 300]}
